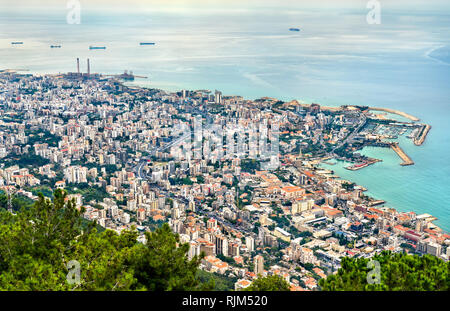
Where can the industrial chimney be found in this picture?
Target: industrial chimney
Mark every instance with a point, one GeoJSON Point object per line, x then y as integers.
{"type": "Point", "coordinates": [88, 67]}
{"type": "Point", "coordinates": [78, 65]}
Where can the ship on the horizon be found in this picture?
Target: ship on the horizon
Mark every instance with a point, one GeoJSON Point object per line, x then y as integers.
{"type": "Point", "coordinates": [55, 46]}
{"type": "Point", "coordinates": [147, 43]}
{"type": "Point", "coordinates": [294, 29]}
{"type": "Point", "coordinates": [16, 42]}
{"type": "Point", "coordinates": [97, 47]}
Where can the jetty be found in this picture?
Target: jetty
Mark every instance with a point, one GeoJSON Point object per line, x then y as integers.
{"type": "Point", "coordinates": [397, 112]}
{"type": "Point", "coordinates": [405, 158]}
{"type": "Point", "coordinates": [376, 202]}
{"type": "Point", "coordinates": [422, 134]}
{"type": "Point", "coordinates": [127, 75]}
{"type": "Point", "coordinates": [364, 164]}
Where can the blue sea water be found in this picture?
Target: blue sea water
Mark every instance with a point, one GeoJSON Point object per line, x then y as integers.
{"type": "Point", "coordinates": [336, 58]}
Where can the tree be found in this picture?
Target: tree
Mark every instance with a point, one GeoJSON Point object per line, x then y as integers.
{"type": "Point", "coordinates": [37, 244]}
{"type": "Point", "coordinates": [162, 264]}
{"type": "Point", "coordinates": [398, 272]}
{"type": "Point", "coordinates": [269, 283]}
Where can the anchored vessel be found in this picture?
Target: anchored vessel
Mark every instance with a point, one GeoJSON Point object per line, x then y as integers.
{"type": "Point", "coordinates": [294, 29]}
{"type": "Point", "coordinates": [97, 47]}
{"type": "Point", "coordinates": [147, 43]}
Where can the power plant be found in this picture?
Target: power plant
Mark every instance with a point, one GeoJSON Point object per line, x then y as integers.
{"type": "Point", "coordinates": [127, 75]}
{"type": "Point", "coordinates": [79, 75]}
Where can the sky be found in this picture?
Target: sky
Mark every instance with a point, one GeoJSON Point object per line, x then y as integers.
{"type": "Point", "coordinates": [406, 5]}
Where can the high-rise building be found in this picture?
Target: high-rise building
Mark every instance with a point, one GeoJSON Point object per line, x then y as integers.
{"type": "Point", "coordinates": [211, 223]}
{"type": "Point", "coordinates": [259, 265]}
{"type": "Point", "coordinates": [261, 234]}
{"type": "Point", "coordinates": [250, 243]}
{"type": "Point", "coordinates": [221, 245]}
{"type": "Point", "coordinates": [218, 97]}
{"type": "Point", "coordinates": [76, 174]}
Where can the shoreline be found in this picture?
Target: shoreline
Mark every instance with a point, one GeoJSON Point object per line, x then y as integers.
{"type": "Point", "coordinates": [375, 202]}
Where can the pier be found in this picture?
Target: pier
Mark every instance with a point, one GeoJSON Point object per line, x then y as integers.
{"type": "Point", "coordinates": [405, 158]}
{"type": "Point", "coordinates": [128, 76]}
{"type": "Point", "coordinates": [376, 202]}
{"type": "Point", "coordinates": [420, 137]}
{"type": "Point", "coordinates": [400, 113]}
{"type": "Point", "coordinates": [364, 164]}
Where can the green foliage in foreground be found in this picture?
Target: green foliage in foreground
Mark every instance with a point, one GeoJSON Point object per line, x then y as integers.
{"type": "Point", "coordinates": [399, 272]}
{"type": "Point", "coordinates": [37, 244]}
{"type": "Point", "coordinates": [218, 282]}
{"type": "Point", "coordinates": [269, 283]}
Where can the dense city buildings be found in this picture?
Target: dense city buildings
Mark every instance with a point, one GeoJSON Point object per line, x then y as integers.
{"type": "Point", "coordinates": [239, 180]}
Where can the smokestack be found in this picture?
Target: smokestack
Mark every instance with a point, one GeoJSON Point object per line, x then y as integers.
{"type": "Point", "coordinates": [78, 65]}
{"type": "Point", "coordinates": [89, 67]}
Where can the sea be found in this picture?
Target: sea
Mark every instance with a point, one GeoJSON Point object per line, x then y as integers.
{"type": "Point", "coordinates": [337, 58]}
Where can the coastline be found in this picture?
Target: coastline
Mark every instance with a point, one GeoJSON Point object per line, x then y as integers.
{"type": "Point", "coordinates": [335, 109]}
{"type": "Point", "coordinates": [380, 201]}
{"type": "Point", "coordinates": [402, 154]}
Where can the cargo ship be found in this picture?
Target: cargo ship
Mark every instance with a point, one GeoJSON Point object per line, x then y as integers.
{"type": "Point", "coordinates": [147, 43]}
{"type": "Point", "coordinates": [55, 46]}
{"type": "Point", "coordinates": [97, 47]}
{"type": "Point", "coordinates": [16, 42]}
{"type": "Point", "coordinates": [294, 29]}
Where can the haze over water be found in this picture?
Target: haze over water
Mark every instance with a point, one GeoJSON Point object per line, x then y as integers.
{"type": "Point", "coordinates": [336, 59]}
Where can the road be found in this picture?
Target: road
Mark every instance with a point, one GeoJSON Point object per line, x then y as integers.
{"type": "Point", "coordinates": [353, 134]}
{"type": "Point", "coordinates": [178, 141]}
